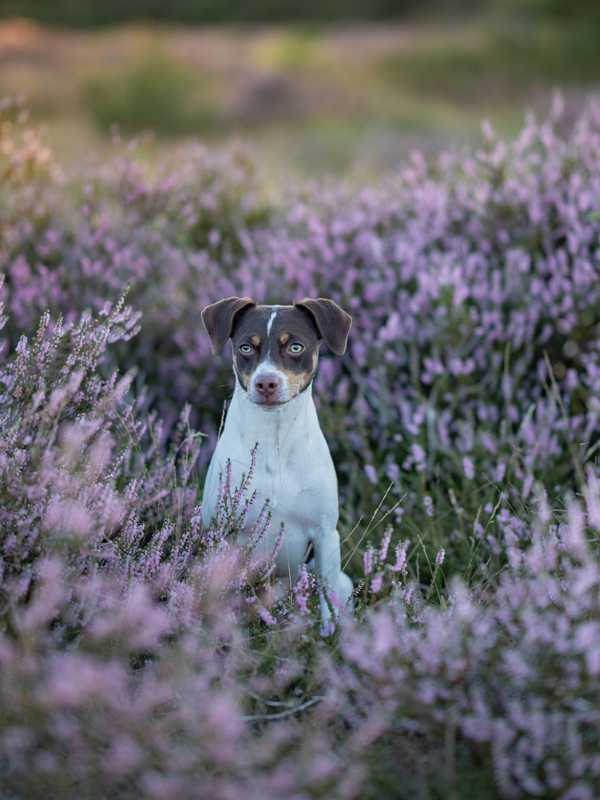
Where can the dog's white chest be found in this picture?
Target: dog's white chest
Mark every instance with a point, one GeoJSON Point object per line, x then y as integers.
{"type": "Point", "coordinates": [293, 471]}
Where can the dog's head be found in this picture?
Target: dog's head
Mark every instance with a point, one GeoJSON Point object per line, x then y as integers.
{"type": "Point", "coordinates": [276, 348]}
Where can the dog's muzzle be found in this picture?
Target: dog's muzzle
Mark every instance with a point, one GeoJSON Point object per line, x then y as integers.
{"type": "Point", "coordinates": [268, 390]}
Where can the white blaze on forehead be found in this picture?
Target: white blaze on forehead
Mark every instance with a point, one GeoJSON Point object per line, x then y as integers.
{"type": "Point", "coordinates": [271, 318]}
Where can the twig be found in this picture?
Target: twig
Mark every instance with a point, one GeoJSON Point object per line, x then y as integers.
{"type": "Point", "coordinates": [280, 714]}
{"type": "Point", "coordinates": [222, 420]}
{"type": "Point", "coordinates": [276, 703]}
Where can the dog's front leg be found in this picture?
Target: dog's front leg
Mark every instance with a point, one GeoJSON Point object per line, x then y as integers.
{"type": "Point", "coordinates": [328, 565]}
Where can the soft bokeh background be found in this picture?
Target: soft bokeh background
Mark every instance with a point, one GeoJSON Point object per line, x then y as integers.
{"type": "Point", "coordinates": [316, 87]}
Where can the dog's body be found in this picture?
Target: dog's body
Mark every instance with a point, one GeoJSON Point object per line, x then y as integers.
{"type": "Point", "coordinates": [275, 354]}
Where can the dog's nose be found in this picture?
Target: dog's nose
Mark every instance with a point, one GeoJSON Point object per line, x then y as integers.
{"type": "Point", "coordinates": [268, 387]}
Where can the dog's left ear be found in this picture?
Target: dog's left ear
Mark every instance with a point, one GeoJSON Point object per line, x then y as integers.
{"type": "Point", "coordinates": [332, 322]}
{"type": "Point", "coordinates": [219, 319]}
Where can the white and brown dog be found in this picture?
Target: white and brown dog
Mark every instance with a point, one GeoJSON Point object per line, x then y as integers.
{"type": "Point", "coordinates": [275, 356]}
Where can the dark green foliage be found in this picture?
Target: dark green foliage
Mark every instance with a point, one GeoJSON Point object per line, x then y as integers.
{"type": "Point", "coordinates": [91, 12]}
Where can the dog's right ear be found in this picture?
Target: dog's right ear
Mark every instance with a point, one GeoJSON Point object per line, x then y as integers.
{"type": "Point", "coordinates": [219, 319]}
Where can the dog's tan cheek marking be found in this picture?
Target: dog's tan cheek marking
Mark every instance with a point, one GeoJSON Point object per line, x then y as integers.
{"type": "Point", "coordinates": [298, 380]}
{"type": "Point", "coordinates": [285, 338]}
{"type": "Point", "coordinates": [255, 340]}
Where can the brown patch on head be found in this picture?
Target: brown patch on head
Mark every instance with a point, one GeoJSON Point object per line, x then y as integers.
{"type": "Point", "coordinates": [285, 338]}
{"type": "Point", "coordinates": [255, 341]}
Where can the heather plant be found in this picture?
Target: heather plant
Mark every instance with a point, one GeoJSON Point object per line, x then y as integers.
{"type": "Point", "coordinates": [151, 702]}
{"type": "Point", "coordinates": [143, 655]}
{"type": "Point", "coordinates": [124, 655]}
{"type": "Point", "coordinates": [473, 360]}
{"type": "Point", "coordinates": [56, 421]}
{"type": "Point", "coordinates": [85, 478]}
{"type": "Point", "coordinates": [503, 682]}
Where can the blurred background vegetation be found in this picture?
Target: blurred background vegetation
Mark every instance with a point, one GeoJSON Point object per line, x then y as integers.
{"type": "Point", "coordinates": [108, 12]}
{"type": "Point", "coordinates": [315, 85]}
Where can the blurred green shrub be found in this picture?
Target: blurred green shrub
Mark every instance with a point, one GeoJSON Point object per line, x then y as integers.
{"type": "Point", "coordinates": [555, 39]}
{"type": "Point", "coordinates": [459, 73]}
{"type": "Point", "coordinates": [546, 40]}
{"type": "Point", "coordinates": [296, 49]}
{"type": "Point", "coordinates": [153, 92]}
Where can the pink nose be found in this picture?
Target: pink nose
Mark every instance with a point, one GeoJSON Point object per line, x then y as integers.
{"type": "Point", "coordinates": [268, 387]}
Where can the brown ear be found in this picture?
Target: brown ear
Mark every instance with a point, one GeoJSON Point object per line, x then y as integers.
{"type": "Point", "coordinates": [332, 323]}
{"type": "Point", "coordinates": [219, 319]}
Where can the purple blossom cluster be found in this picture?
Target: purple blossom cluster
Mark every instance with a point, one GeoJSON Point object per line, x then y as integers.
{"type": "Point", "coordinates": [513, 672]}
{"type": "Point", "coordinates": [143, 656]}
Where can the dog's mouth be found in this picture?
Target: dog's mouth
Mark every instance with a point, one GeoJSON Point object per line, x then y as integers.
{"type": "Point", "coordinates": [270, 403]}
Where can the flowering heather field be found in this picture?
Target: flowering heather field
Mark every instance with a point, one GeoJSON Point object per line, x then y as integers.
{"type": "Point", "coordinates": [144, 657]}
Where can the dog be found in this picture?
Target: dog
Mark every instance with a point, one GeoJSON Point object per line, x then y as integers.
{"type": "Point", "coordinates": [275, 356]}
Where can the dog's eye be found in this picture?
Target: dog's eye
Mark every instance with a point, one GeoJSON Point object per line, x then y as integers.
{"type": "Point", "coordinates": [296, 348]}
{"type": "Point", "coordinates": [245, 349]}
